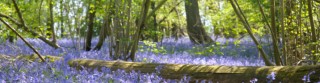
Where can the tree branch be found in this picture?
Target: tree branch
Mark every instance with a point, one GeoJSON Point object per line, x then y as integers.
{"type": "Point", "coordinates": [29, 45]}
{"type": "Point", "coordinates": [25, 27]}
{"type": "Point", "coordinates": [155, 9]}
{"type": "Point", "coordinates": [10, 18]}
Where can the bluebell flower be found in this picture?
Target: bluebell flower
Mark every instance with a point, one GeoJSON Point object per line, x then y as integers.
{"type": "Point", "coordinates": [271, 77]}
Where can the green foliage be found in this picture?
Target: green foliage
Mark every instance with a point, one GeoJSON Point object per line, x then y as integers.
{"type": "Point", "coordinates": [226, 23]}
{"type": "Point", "coordinates": [213, 49]}
{"type": "Point", "coordinates": [152, 47]}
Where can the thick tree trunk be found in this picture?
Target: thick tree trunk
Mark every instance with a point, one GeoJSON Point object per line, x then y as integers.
{"type": "Point", "coordinates": [91, 17]}
{"type": "Point", "coordinates": [196, 32]}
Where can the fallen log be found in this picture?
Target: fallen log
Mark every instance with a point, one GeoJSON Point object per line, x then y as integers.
{"type": "Point", "coordinates": [221, 74]}
{"type": "Point", "coordinates": [214, 73]}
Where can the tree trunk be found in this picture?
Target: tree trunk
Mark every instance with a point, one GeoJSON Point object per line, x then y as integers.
{"type": "Point", "coordinates": [141, 23]}
{"type": "Point", "coordinates": [103, 32]}
{"type": "Point", "coordinates": [196, 32]}
{"type": "Point", "coordinates": [274, 34]}
{"type": "Point", "coordinates": [51, 23]}
{"type": "Point", "coordinates": [155, 25]}
{"type": "Point", "coordinates": [313, 32]}
{"type": "Point", "coordinates": [248, 28]}
{"type": "Point", "coordinates": [62, 20]}
{"type": "Point", "coordinates": [91, 17]}
{"type": "Point", "coordinates": [284, 48]}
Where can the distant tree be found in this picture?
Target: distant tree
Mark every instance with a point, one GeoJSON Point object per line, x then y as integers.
{"type": "Point", "coordinates": [104, 31]}
{"type": "Point", "coordinates": [196, 32]}
{"type": "Point", "coordinates": [51, 23]}
{"type": "Point", "coordinates": [61, 19]}
{"type": "Point", "coordinates": [144, 16]}
{"type": "Point", "coordinates": [155, 24]}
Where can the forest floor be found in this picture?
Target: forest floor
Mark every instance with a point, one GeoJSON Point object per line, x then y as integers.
{"type": "Point", "coordinates": [171, 52]}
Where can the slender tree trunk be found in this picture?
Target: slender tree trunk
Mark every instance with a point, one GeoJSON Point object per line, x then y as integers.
{"type": "Point", "coordinates": [155, 25]}
{"type": "Point", "coordinates": [128, 24]}
{"type": "Point", "coordinates": [264, 15]}
{"type": "Point", "coordinates": [53, 35]}
{"type": "Point", "coordinates": [274, 34]}
{"type": "Point", "coordinates": [62, 20]}
{"type": "Point", "coordinates": [248, 28]}
{"type": "Point", "coordinates": [91, 17]}
{"type": "Point", "coordinates": [196, 32]}
{"type": "Point", "coordinates": [141, 23]}
{"type": "Point", "coordinates": [313, 32]}
{"type": "Point", "coordinates": [104, 31]}
{"type": "Point", "coordinates": [284, 48]}
{"type": "Point", "coordinates": [39, 17]}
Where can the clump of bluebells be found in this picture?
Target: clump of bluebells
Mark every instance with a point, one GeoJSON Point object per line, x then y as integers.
{"type": "Point", "coordinates": [21, 71]}
{"type": "Point", "coordinates": [70, 48]}
{"type": "Point", "coordinates": [59, 71]}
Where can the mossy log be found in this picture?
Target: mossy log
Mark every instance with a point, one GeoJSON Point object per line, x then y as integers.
{"type": "Point", "coordinates": [215, 73]}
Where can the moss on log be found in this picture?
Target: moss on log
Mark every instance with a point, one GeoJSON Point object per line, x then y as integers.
{"type": "Point", "coordinates": [221, 74]}
{"type": "Point", "coordinates": [215, 73]}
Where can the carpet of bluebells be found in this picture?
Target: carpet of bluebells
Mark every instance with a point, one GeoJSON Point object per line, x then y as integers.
{"type": "Point", "coordinates": [225, 52]}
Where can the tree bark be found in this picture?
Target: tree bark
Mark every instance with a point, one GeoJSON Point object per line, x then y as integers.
{"type": "Point", "coordinates": [196, 32]}
{"type": "Point", "coordinates": [91, 17]}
